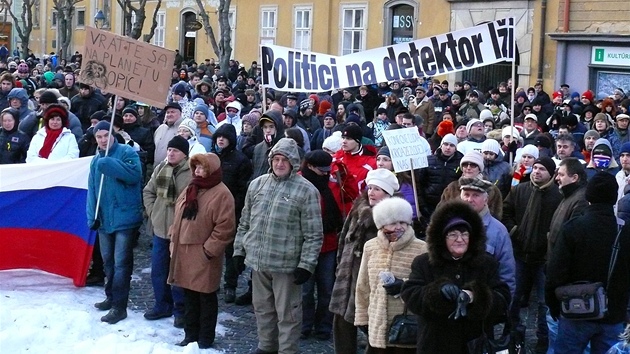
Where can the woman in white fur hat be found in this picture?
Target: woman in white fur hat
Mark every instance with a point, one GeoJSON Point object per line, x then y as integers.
{"type": "Point", "coordinates": [392, 250]}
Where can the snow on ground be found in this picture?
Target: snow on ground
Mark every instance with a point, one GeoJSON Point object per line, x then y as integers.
{"type": "Point", "coordinates": [45, 313]}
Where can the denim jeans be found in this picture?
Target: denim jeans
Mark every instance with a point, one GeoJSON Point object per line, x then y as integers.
{"type": "Point", "coordinates": [574, 336]}
{"type": "Point", "coordinates": [324, 278]}
{"type": "Point", "coordinates": [528, 276]}
{"type": "Point", "coordinates": [167, 298]}
{"type": "Point", "coordinates": [117, 252]}
{"type": "Point", "coordinates": [553, 333]}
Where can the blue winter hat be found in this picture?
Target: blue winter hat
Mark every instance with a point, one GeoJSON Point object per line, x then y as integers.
{"type": "Point", "coordinates": [203, 109]}
{"type": "Point", "coordinates": [353, 117]}
{"type": "Point", "coordinates": [625, 148]}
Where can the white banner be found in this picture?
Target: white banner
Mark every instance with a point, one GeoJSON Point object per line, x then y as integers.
{"type": "Point", "coordinates": [290, 70]}
{"type": "Point", "coordinates": [406, 146]}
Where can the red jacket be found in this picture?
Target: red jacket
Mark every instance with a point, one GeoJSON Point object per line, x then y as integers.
{"type": "Point", "coordinates": [353, 169]}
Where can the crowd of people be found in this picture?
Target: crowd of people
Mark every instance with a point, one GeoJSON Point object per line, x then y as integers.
{"type": "Point", "coordinates": [298, 193]}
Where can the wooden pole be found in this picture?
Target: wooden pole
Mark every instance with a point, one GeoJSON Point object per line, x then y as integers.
{"type": "Point", "coordinates": [415, 193]}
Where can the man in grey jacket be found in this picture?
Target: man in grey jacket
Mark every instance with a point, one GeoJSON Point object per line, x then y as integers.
{"type": "Point", "coordinates": [279, 236]}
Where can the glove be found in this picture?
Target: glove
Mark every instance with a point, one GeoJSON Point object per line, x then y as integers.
{"type": "Point", "coordinates": [463, 299]}
{"type": "Point", "coordinates": [301, 276]}
{"type": "Point", "coordinates": [393, 289]}
{"type": "Point", "coordinates": [96, 224]}
{"type": "Point", "coordinates": [238, 262]}
{"type": "Point", "coordinates": [450, 291]}
{"type": "Point", "coordinates": [364, 329]}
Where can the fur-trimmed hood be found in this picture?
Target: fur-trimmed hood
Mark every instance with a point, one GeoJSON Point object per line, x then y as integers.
{"type": "Point", "coordinates": [209, 161]}
{"type": "Point", "coordinates": [436, 240]}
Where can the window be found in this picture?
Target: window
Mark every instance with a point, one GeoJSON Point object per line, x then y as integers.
{"type": "Point", "coordinates": [302, 24]}
{"type": "Point", "coordinates": [268, 24]}
{"type": "Point", "coordinates": [80, 18]}
{"type": "Point", "coordinates": [160, 29]}
{"type": "Point", "coordinates": [353, 28]}
{"type": "Point", "coordinates": [36, 10]}
{"type": "Point", "coordinates": [232, 22]}
{"type": "Point", "coordinates": [53, 19]}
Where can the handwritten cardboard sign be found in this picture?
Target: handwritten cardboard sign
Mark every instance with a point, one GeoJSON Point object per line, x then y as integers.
{"type": "Point", "coordinates": [127, 67]}
{"type": "Point", "coordinates": [406, 145]}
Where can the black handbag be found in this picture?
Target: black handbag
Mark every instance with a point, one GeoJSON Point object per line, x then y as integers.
{"type": "Point", "coordinates": [585, 300]}
{"type": "Point", "coordinates": [510, 342]}
{"type": "Point", "coordinates": [404, 329]}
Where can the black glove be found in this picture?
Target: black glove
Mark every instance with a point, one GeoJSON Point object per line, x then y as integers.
{"type": "Point", "coordinates": [463, 299]}
{"type": "Point", "coordinates": [393, 289]}
{"type": "Point", "coordinates": [364, 329]}
{"type": "Point", "coordinates": [238, 262]}
{"type": "Point", "coordinates": [450, 291]}
{"type": "Point", "coordinates": [95, 225]}
{"type": "Point", "coordinates": [301, 276]}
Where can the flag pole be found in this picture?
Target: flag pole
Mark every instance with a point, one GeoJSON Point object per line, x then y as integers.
{"type": "Point", "coordinates": [111, 128]}
{"type": "Point", "coordinates": [513, 53]}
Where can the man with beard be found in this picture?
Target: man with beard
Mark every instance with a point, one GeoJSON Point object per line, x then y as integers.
{"type": "Point", "coordinates": [590, 137]}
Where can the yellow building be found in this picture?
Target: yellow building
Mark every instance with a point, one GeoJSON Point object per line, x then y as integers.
{"type": "Point", "coordinates": [344, 26]}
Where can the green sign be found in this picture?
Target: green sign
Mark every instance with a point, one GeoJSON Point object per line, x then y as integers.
{"type": "Point", "coordinates": [599, 54]}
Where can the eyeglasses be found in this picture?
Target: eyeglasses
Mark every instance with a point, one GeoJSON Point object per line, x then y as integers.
{"type": "Point", "coordinates": [468, 164]}
{"type": "Point", "coordinates": [454, 235]}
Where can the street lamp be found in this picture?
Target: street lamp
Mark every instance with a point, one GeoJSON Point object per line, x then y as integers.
{"type": "Point", "coordinates": [99, 19]}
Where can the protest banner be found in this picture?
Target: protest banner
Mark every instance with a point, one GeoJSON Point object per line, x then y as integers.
{"type": "Point", "coordinates": [408, 150]}
{"type": "Point", "coordinates": [127, 67]}
{"type": "Point", "coordinates": [299, 71]}
{"type": "Point", "coordinates": [44, 223]}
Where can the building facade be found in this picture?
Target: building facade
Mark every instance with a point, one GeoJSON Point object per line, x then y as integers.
{"type": "Point", "coordinates": [551, 47]}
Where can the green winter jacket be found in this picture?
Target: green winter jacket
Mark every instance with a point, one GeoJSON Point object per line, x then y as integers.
{"type": "Point", "coordinates": [281, 224]}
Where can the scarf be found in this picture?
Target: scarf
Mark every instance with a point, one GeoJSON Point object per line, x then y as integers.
{"type": "Point", "coordinates": [529, 229]}
{"type": "Point", "coordinates": [190, 203]}
{"type": "Point", "coordinates": [165, 182]}
{"type": "Point", "coordinates": [49, 142]}
{"type": "Point", "coordinates": [331, 215]}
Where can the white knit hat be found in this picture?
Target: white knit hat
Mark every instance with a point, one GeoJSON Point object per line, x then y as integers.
{"type": "Point", "coordinates": [384, 179]}
{"type": "Point", "coordinates": [530, 150]}
{"type": "Point", "coordinates": [470, 124]}
{"type": "Point", "coordinates": [475, 157]}
{"type": "Point", "coordinates": [392, 210]}
{"type": "Point", "coordinates": [507, 131]}
{"type": "Point", "coordinates": [485, 114]}
{"type": "Point", "coordinates": [449, 138]}
{"type": "Point", "coordinates": [190, 125]}
{"type": "Point", "coordinates": [491, 145]}
{"type": "Point", "coordinates": [333, 142]}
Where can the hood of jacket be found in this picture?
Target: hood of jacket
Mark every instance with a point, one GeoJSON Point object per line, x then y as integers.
{"type": "Point", "coordinates": [20, 94]}
{"type": "Point", "coordinates": [227, 131]}
{"type": "Point", "coordinates": [602, 141]}
{"type": "Point", "coordinates": [276, 118]}
{"type": "Point", "coordinates": [210, 162]}
{"type": "Point", "coordinates": [436, 240]}
{"type": "Point", "coordinates": [288, 148]}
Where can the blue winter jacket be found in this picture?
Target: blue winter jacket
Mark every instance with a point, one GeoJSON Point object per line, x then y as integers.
{"type": "Point", "coordinates": [499, 246]}
{"type": "Point", "coordinates": [120, 207]}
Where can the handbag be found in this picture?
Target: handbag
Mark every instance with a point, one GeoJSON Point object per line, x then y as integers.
{"type": "Point", "coordinates": [508, 343]}
{"type": "Point", "coordinates": [404, 329]}
{"type": "Point", "coordinates": [585, 300]}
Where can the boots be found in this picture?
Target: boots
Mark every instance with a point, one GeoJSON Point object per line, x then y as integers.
{"type": "Point", "coordinates": [114, 316]}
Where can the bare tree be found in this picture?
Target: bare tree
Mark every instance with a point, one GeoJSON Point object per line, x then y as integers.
{"type": "Point", "coordinates": [65, 12]}
{"type": "Point", "coordinates": [24, 24]}
{"type": "Point", "coordinates": [223, 47]}
{"type": "Point", "coordinates": [133, 27]}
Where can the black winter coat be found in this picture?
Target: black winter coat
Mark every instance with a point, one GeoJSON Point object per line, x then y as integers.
{"type": "Point", "coordinates": [582, 252]}
{"type": "Point", "coordinates": [235, 166]}
{"type": "Point", "coordinates": [13, 146]}
{"type": "Point", "coordinates": [143, 137]}
{"type": "Point", "coordinates": [84, 107]}
{"type": "Point", "coordinates": [442, 170]}
{"type": "Point", "coordinates": [476, 271]}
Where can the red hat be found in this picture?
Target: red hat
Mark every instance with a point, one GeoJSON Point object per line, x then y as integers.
{"type": "Point", "coordinates": [588, 95]}
{"type": "Point", "coordinates": [557, 94]}
{"type": "Point", "coordinates": [445, 127]}
{"type": "Point", "coordinates": [324, 106]}
{"type": "Point", "coordinates": [56, 110]}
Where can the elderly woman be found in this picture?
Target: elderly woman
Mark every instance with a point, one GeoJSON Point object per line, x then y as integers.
{"type": "Point", "coordinates": [54, 141]}
{"type": "Point", "coordinates": [357, 230]}
{"type": "Point", "coordinates": [392, 251]}
{"type": "Point", "coordinates": [203, 226]}
{"type": "Point", "coordinates": [454, 288]}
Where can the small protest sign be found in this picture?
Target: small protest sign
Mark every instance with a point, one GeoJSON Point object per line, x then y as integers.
{"type": "Point", "coordinates": [127, 67]}
{"type": "Point", "coordinates": [406, 146]}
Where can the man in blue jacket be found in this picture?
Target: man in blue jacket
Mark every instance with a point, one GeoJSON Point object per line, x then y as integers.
{"type": "Point", "coordinates": [118, 216]}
